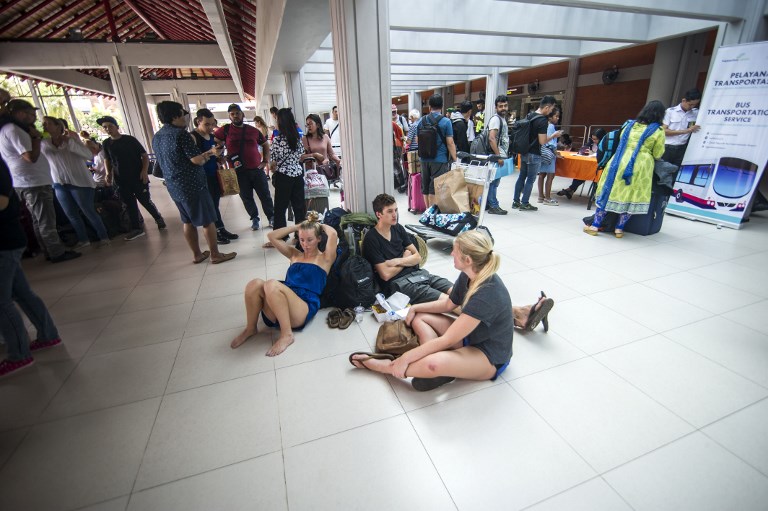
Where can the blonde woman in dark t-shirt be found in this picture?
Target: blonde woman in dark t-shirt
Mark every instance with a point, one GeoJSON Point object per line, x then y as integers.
{"type": "Point", "coordinates": [477, 345]}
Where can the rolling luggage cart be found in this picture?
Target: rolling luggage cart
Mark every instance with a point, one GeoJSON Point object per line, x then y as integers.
{"type": "Point", "coordinates": [481, 170]}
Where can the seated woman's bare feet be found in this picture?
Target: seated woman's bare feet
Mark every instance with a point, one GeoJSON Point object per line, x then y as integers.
{"type": "Point", "coordinates": [280, 345]}
{"type": "Point", "coordinates": [240, 339]}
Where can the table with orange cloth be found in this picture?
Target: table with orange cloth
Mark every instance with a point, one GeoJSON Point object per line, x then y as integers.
{"type": "Point", "coordinates": [577, 166]}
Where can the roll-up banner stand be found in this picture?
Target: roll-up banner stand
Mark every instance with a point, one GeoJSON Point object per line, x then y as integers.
{"type": "Point", "coordinates": [726, 158]}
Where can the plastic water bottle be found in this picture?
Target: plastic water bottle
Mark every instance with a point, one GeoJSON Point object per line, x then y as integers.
{"type": "Point", "coordinates": [359, 313]}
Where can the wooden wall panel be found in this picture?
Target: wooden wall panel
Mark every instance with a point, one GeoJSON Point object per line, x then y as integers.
{"type": "Point", "coordinates": [548, 72]}
{"type": "Point", "coordinates": [601, 105]}
{"type": "Point", "coordinates": [630, 57]}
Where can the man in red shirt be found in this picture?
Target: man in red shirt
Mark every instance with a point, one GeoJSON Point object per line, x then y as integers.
{"type": "Point", "coordinates": [243, 142]}
{"type": "Point", "coordinates": [401, 180]}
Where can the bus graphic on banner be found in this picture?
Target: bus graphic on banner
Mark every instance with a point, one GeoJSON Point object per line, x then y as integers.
{"type": "Point", "coordinates": [722, 185]}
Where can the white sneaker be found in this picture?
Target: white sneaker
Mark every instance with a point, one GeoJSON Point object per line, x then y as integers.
{"type": "Point", "coordinates": [82, 244]}
{"type": "Point", "coordinates": [104, 243]}
{"type": "Point", "coordinates": [551, 202]}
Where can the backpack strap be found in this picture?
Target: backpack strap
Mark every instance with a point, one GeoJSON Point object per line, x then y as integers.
{"type": "Point", "coordinates": [440, 117]}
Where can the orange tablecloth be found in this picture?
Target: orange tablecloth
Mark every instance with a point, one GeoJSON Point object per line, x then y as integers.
{"type": "Point", "coordinates": [577, 167]}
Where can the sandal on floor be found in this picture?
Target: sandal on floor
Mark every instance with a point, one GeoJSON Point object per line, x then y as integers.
{"type": "Point", "coordinates": [224, 258]}
{"type": "Point", "coordinates": [333, 317]}
{"type": "Point", "coordinates": [590, 231]}
{"type": "Point", "coordinates": [535, 316]}
{"type": "Point", "coordinates": [369, 356]}
{"type": "Point", "coordinates": [347, 318]}
{"type": "Point", "coordinates": [203, 257]}
{"type": "Point", "coordinates": [618, 233]}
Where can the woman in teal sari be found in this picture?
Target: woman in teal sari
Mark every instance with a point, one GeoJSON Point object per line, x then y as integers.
{"type": "Point", "coordinates": [625, 185]}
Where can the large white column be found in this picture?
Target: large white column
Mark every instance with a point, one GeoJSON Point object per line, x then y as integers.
{"type": "Point", "coordinates": [296, 90]}
{"type": "Point", "coordinates": [495, 84]}
{"type": "Point", "coordinates": [414, 101]}
{"type": "Point", "coordinates": [448, 96]}
{"type": "Point", "coordinates": [676, 68]}
{"type": "Point", "coordinates": [747, 30]}
{"type": "Point", "coordinates": [277, 100]}
{"type": "Point", "coordinates": [75, 123]}
{"type": "Point", "coordinates": [360, 30]}
{"type": "Point", "coordinates": [126, 82]}
{"type": "Point", "coordinates": [36, 98]}
{"type": "Point", "coordinates": [664, 73]}
{"type": "Point", "coordinates": [181, 97]}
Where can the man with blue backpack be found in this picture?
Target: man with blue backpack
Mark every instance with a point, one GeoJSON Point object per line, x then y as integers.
{"type": "Point", "coordinates": [436, 147]}
{"type": "Point", "coordinates": [529, 135]}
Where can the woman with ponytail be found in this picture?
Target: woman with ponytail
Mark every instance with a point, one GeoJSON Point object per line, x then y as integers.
{"type": "Point", "coordinates": [625, 184]}
{"type": "Point", "coordinates": [292, 303]}
{"type": "Point", "coordinates": [477, 345]}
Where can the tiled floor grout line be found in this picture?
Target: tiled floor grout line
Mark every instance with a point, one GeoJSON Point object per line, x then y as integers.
{"type": "Point", "coordinates": [630, 506]}
{"type": "Point", "coordinates": [431, 461]}
{"type": "Point", "coordinates": [282, 440]}
{"type": "Point", "coordinates": [552, 427]}
{"type": "Point", "coordinates": [576, 486]}
{"type": "Point", "coordinates": [696, 429]}
{"type": "Point", "coordinates": [69, 375]}
{"type": "Point", "coordinates": [207, 471]}
{"type": "Point", "coordinates": [716, 362]}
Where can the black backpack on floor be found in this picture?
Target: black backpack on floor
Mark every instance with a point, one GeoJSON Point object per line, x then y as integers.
{"type": "Point", "coordinates": [356, 284]}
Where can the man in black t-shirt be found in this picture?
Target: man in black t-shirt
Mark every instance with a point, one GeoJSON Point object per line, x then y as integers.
{"type": "Point", "coordinates": [460, 121]}
{"type": "Point", "coordinates": [128, 166]}
{"type": "Point", "coordinates": [531, 162]}
{"type": "Point", "coordinates": [395, 259]}
{"type": "Point", "coordinates": [14, 287]}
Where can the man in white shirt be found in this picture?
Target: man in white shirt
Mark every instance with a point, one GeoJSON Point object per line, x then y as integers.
{"type": "Point", "coordinates": [679, 122]}
{"type": "Point", "coordinates": [331, 127]}
{"type": "Point", "coordinates": [20, 148]}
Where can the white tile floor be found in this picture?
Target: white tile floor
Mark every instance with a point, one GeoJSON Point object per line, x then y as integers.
{"type": "Point", "coordinates": [650, 391]}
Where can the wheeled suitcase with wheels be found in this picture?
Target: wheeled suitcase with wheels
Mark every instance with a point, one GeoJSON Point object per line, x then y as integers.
{"type": "Point", "coordinates": [649, 223]}
{"type": "Point", "coordinates": [416, 202]}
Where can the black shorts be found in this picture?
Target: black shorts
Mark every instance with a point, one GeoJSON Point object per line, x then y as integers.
{"type": "Point", "coordinates": [421, 286]}
{"type": "Point", "coordinates": [429, 171]}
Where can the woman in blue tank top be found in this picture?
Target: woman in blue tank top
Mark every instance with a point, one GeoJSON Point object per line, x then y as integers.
{"type": "Point", "coordinates": [292, 303]}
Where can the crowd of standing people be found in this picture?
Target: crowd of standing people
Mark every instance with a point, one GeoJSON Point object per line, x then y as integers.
{"type": "Point", "coordinates": [475, 344]}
